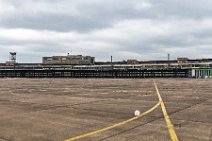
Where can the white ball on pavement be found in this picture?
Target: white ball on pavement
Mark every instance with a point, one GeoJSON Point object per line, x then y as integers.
{"type": "Point", "coordinates": [137, 112]}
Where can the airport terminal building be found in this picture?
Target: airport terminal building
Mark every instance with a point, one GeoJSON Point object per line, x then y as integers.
{"type": "Point", "coordinates": [86, 66]}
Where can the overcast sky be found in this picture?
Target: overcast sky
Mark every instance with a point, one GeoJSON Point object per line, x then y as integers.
{"type": "Point", "coordinates": [125, 29]}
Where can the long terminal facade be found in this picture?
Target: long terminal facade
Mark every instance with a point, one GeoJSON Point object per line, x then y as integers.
{"type": "Point", "coordinates": [196, 68]}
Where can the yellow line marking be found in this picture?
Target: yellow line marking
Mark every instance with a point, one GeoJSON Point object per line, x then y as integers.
{"type": "Point", "coordinates": [169, 124]}
{"type": "Point", "coordinates": [115, 125]}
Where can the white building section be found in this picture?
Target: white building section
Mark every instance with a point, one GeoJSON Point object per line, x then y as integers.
{"type": "Point", "coordinates": [202, 73]}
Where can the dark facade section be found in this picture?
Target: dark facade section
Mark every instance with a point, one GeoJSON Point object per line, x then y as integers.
{"type": "Point", "coordinates": [175, 73]}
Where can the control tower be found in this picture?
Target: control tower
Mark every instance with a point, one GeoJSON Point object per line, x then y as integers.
{"type": "Point", "coordinates": [12, 58]}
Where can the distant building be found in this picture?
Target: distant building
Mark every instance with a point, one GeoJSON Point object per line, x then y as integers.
{"type": "Point", "coordinates": [132, 61]}
{"type": "Point", "coordinates": [182, 60]}
{"type": "Point", "coordinates": [10, 63]}
{"type": "Point", "coordinates": [70, 59]}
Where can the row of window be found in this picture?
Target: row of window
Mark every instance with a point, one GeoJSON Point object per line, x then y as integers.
{"type": "Point", "coordinates": [67, 58]}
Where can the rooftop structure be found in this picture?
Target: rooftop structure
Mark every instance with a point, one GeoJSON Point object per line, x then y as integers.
{"type": "Point", "coordinates": [69, 59]}
{"type": "Point", "coordinates": [132, 61]}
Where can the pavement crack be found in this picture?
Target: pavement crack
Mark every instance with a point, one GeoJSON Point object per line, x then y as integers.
{"type": "Point", "coordinates": [6, 138]}
{"type": "Point", "coordinates": [210, 136]}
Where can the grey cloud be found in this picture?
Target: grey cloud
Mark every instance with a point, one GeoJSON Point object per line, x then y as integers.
{"type": "Point", "coordinates": [55, 23]}
{"type": "Point", "coordinates": [84, 15]}
{"type": "Point", "coordinates": [87, 15]}
{"type": "Point", "coordinates": [188, 9]}
{"type": "Point", "coordinates": [140, 29]}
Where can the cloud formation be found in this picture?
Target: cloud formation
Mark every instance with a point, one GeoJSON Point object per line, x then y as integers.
{"type": "Point", "coordinates": [138, 29]}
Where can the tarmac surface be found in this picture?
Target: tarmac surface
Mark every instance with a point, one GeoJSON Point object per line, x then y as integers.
{"type": "Point", "coordinates": [59, 109]}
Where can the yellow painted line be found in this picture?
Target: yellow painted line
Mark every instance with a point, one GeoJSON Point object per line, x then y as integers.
{"type": "Point", "coordinates": [115, 125]}
{"type": "Point", "coordinates": [169, 124]}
